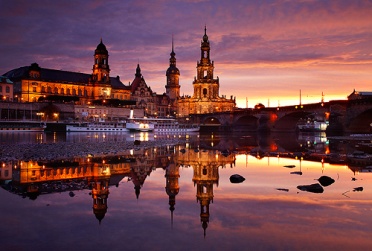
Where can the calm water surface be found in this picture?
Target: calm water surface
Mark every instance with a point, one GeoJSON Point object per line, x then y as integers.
{"type": "Point", "coordinates": [179, 197]}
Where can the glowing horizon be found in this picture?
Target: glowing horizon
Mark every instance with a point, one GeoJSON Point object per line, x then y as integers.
{"type": "Point", "coordinates": [261, 50]}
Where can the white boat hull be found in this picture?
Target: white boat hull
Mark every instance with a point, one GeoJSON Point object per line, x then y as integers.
{"type": "Point", "coordinates": [97, 127]}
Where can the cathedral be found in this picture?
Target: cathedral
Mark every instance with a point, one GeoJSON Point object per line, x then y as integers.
{"type": "Point", "coordinates": [206, 97]}
{"type": "Point", "coordinates": [36, 84]}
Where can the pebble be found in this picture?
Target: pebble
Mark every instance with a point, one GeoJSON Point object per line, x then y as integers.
{"type": "Point", "coordinates": [63, 150]}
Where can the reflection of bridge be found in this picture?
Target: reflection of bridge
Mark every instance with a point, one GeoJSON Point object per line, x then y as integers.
{"type": "Point", "coordinates": [343, 115]}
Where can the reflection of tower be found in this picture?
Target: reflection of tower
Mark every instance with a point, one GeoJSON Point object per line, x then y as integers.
{"type": "Point", "coordinates": [204, 178]}
{"type": "Point", "coordinates": [139, 173]}
{"type": "Point", "coordinates": [172, 187]}
{"type": "Point", "coordinates": [100, 191]}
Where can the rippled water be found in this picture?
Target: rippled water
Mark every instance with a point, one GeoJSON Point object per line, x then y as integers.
{"type": "Point", "coordinates": [180, 198]}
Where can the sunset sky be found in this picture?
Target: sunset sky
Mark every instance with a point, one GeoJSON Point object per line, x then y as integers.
{"type": "Point", "coordinates": [263, 51]}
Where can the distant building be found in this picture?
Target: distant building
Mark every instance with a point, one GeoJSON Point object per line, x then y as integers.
{"type": "Point", "coordinates": [206, 97]}
{"type": "Point", "coordinates": [142, 94]}
{"type": "Point", "coordinates": [6, 89]}
{"type": "Point", "coordinates": [359, 95]}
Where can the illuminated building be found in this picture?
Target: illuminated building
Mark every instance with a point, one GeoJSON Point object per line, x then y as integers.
{"type": "Point", "coordinates": [206, 97]}
{"type": "Point", "coordinates": [6, 89]}
{"type": "Point", "coordinates": [33, 83]}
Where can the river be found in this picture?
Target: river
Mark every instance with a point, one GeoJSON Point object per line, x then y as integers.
{"type": "Point", "coordinates": [178, 196]}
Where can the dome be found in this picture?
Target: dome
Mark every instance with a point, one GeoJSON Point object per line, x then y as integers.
{"type": "Point", "coordinates": [205, 37]}
{"type": "Point", "coordinates": [101, 49]}
{"type": "Point", "coordinates": [173, 70]}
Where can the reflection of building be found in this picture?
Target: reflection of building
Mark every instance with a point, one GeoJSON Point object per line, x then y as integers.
{"type": "Point", "coordinates": [205, 176]}
{"type": "Point", "coordinates": [100, 192]}
{"type": "Point", "coordinates": [172, 186]}
{"type": "Point", "coordinates": [139, 172]}
{"type": "Point", "coordinates": [205, 165]}
{"type": "Point", "coordinates": [206, 97]}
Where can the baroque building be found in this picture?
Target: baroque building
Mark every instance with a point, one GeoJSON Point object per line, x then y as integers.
{"type": "Point", "coordinates": [205, 98]}
{"type": "Point", "coordinates": [173, 83]}
{"type": "Point", "coordinates": [34, 83]}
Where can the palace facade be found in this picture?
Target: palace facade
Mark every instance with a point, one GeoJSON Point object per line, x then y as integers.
{"type": "Point", "coordinates": [33, 83]}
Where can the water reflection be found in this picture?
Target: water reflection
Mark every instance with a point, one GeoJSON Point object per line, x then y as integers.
{"type": "Point", "coordinates": [271, 164]}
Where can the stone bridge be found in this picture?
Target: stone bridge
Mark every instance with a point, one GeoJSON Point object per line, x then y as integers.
{"type": "Point", "coordinates": [343, 116]}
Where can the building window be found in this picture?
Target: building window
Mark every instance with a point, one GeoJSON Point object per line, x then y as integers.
{"type": "Point", "coordinates": [68, 91]}
{"type": "Point", "coordinates": [43, 89]}
{"type": "Point", "coordinates": [7, 89]}
{"type": "Point", "coordinates": [74, 92]}
{"type": "Point", "coordinates": [205, 92]}
{"type": "Point", "coordinates": [55, 90]}
{"type": "Point", "coordinates": [34, 89]}
{"type": "Point", "coordinates": [62, 91]}
{"type": "Point", "coordinates": [1, 88]}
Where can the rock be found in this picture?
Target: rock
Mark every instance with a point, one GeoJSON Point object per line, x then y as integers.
{"type": "Point", "coordinates": [236, 178]}
{"type": "Point", "coordinates": [326, 181]}
{"type": "Point", "coordinates": [313, 188]}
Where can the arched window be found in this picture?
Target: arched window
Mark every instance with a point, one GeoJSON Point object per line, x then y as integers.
{"type": "Point", "coordinates": [43, 89]}
{"type": "Point", "coordinates": [74, 92]}
{"type": "Point", "coordinates": [68, 91]}
{"type": "Point", "coordinates": [49, 89]}
{"type": "Point", "coordinates": [55, 90]}
{"type": "Point", "coordinates": [80, 92]}
{"type": "Point", "coordinates": [205, 92]}
{"type": "Point", "coordinates": [62, 91]}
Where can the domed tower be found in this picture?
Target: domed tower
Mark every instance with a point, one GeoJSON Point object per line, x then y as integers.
{"type": "Point", "coordinates": [101, 69]}
{"type": "Point", "coordinates": [173, 77]}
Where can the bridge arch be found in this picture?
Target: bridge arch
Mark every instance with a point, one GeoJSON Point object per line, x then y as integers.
{"type": "Point", "coordinates": [246, 123]}
{"type": "Point", "coordinates": [361, 123]}
{"type": "Point", "coordinates": [289, 121]}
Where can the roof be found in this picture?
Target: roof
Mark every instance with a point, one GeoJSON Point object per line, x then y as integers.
{"type": "Point", "coordinates": [360, 94]}
{"type": "Point", "coordinates": [52, 75]}
{"type": "Point", "coordinates": [6, 80]}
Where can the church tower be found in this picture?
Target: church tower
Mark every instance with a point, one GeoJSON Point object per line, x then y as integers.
{"type": "Point", "coordinates": [101, 69]}
{"type": "Point", "coordinates": [205, 87]}
{"type": "Point", "coordinates": [205, 98]}
{"type": "Point", "coordinates": [173, 77]}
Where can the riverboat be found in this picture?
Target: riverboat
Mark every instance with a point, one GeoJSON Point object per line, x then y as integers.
{"type": "Point", "coordinates": [160, 125]}
{"type": "Point", "coordinates": [172, 126]}
{"type": "Point", "coordinates": [99, 126]}
{"type": "Point", "coordinates": [22, 126]}
{"type": "Point", "coordinates": [313, 126]}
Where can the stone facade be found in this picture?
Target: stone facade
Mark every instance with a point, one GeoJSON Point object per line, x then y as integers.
{"type": "Point", "coordinates": [206, 97]}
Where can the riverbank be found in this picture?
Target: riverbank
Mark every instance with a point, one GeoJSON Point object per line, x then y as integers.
{"type": "Point", "coordinates": [64, 150]}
